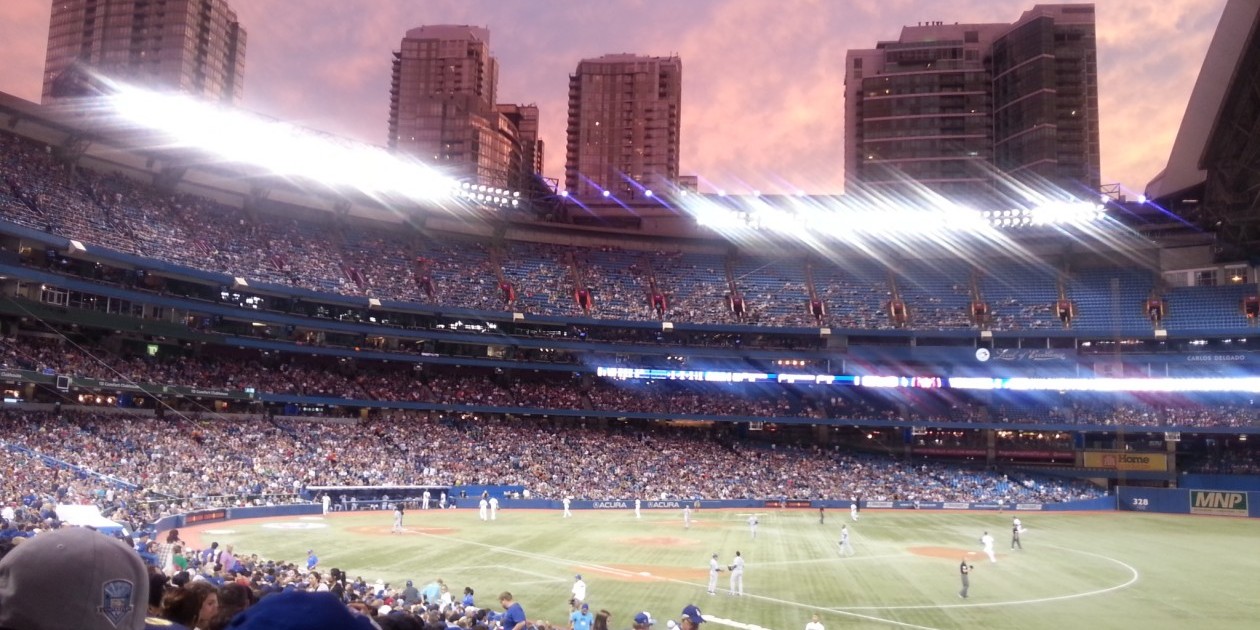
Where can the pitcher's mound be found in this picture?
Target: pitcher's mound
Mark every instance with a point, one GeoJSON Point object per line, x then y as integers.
{"type": "Point", "coordinates": [951, 553]}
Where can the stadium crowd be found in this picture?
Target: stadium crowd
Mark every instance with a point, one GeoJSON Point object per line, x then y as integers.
{"type": "Point", "coordinates": [138, 468]}
{"type": "Point", "coordinates": [321, 252]}
{"type": "Point", "coordinates": [384, 381]}
{"type": "Point", "coordinates": [172, 583]}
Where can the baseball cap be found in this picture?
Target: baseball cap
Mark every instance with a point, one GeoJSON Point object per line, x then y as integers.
{"type": "Point", "coordinates": [693, 613]}
{"type": "Point", "coordinates": [73, 578]}
{"type": "Point", "coordinates": [300, 611]}
{"type": "Point", "coordinates": [643, 619]}
{"type": "Point", "coordinates": [578, 576]}
{"type": "Point", "coordinates": [586, 606]}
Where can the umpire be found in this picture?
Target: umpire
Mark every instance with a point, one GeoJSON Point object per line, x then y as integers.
{"type": "Point", "coordinates": [964, 570]}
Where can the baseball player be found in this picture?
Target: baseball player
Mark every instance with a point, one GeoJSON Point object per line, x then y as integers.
{"type": "Point", "coordinates": [965, 570]}
{"type": "Point", "coordinates": [845, 548]}
{"type": "Point", "coordinates": [327, 503]}
{"type": "Point", "coordinates": [567, 513]}
{"type": "Point", "coordinates": [1017, 528]}
{"type": "Point", "coordinates": [442, 501]}
{"type": "Point", "coordinates": [398, 515]}
{"type": "Point", "coordinates": [483, 509]}
{"type": "Point", "coordinates": [987, 541]}
{"type": "Point", "coordinates": [424, 500]}
{"type": "Point", "coordinates": [637, 505]}
{"type": "Point", "coordinates": [714, 570]}
{"type": "Point", "coordinates": [686, 517]}
{"type": "Point", "coordinates": [814, 624]}
{"type": "Point", "coordinates": [579, 589]}
{"type": "Point", "coordinates": [737, 575]}
{"type": "Point", "coordinates": [752, 526]}
{"type": "Point", "coordinates": [494, 508]}
{"type": "Point", "coordinates": [853, 509]}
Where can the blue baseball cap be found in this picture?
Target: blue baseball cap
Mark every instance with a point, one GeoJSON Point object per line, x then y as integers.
{"type": "Point", "coordinates": [693, 613]}
{"type": "Point", "coordinates": [578, 576]}
{"type": "Point", "coordinates": [643, 619]}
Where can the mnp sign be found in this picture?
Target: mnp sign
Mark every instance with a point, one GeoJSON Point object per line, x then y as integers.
{"type": "Point", "coordinates": [1218, 503]}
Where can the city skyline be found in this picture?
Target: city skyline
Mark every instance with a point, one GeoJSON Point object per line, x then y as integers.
{"type": "Point", "coordinates": [763, 92]}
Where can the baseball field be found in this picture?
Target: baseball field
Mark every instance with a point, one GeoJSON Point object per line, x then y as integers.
{"type": "Point", "coordinates": [1077, 570]}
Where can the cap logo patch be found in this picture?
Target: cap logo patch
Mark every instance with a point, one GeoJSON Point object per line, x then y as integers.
{"type": "Point", "coordinates": [116, 598]}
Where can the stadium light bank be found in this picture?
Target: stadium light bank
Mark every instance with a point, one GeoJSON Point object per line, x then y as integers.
{"type": "Point", "coordinates": [286, 150]}
{"type": "Point", "coordinates": [862, 217]}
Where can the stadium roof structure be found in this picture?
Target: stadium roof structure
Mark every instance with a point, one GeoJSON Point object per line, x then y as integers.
{"type": "Point", "coordinates": [1213, 172]}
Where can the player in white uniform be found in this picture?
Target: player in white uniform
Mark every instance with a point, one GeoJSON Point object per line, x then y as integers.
{"type": "Point", "coordinates": [853, 509]}
{"type": "Point", "coordinates": [579, 590]}
{"type": "Point", "coordinates": [752, 526]}
{"type": "Point", "coordinates": [567, 513]}
{"type": "Point", "coordinates": [814, 624]}
{"type": "Point", "coordinates": [714, 569]}
{"type": "Point", "coordinates": [737, 575]}
{"type": "Point", "coordinates": [1017, 528]}
{"type": "Point", "coordinates": [327, 501]}
{"type": "Point", "coordinates": [494, 508]}
{"type": "Point", "coordinates": [425, 500]}
{"type": "Point", "coordinates": [987, 541]}
{"type": "Point", "coordinates": [637, 505]}
{"type": "Point", "coordinates": [483, 509]}
{"type": "Point", "coordinates": [686, 517]}
{"type": "Point", "coordinates": [398, 514]}
{"type": "Point", "coordinates": [845, 548]}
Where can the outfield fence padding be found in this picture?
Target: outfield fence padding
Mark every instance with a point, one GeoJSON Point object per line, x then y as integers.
{"type": "Point", "coordinates": [1190, 501]}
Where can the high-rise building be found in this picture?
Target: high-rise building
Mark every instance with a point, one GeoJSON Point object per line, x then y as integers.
{"type": "Point", "coordinates": [959, 108]}
{"type": "Point", "coordinates": [624, 122]}
{"type": "Point", "coordinates": [525, 119]}
{"type": "Point", "coordinates": [442, 106]}
{"type": "Point", "coordinates": [194, 46]}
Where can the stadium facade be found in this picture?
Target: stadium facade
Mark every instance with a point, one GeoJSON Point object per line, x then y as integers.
{"type": "Point", "coordinates": [1211, 177]}
{"type": "Point", "coordinates": [954, 107]}
{"type": "Point", "coordinates": [624, 129]}
{"type": "Point", "coordinates": [194, 46]}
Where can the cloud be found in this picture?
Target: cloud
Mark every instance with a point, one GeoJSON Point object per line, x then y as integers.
{"type": "Point", "coordinates": [23, 44]}
{"type": "Point", "coordinates": [763, 99]}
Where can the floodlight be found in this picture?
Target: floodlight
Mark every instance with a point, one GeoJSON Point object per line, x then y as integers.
{"type": "Point", "coordinates": [607, 193]}
{"type": "Point", "coordinates": [647, 193]}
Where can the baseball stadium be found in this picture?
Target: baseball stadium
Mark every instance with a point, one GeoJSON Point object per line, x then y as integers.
{"type": "Point", "coordinates": [277, 363]}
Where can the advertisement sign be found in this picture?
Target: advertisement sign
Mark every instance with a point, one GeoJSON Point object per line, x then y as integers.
{"type": "Point", "coordinates": [1218, 503]}
{"type": "Point", "coordinates": [1122, 460]}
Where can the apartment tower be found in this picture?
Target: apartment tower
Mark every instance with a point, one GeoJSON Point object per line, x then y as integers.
{"type": "Point", "coordinates": [442, 107]}
{"type": "Point", "coordinates": [624, 122]}
{"type": "Point", "coordinates": [977, 111]}
{"type": "Point", "coordinates": [196, 47]}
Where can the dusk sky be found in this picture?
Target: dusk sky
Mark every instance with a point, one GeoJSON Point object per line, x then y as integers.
{"type": "Point", "coordinates": [763, 105]}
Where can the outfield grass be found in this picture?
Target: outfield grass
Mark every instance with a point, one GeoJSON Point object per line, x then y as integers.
{"type": "Point", "coordinates": [1077, 570]}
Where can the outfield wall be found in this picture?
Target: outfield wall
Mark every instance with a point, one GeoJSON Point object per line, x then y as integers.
{"type": "Point", "coordinates": [1189, 501]}
{"type": "Point", "coordinates": [217, 515]}
{"type": "Point", "coordinates": [232, 513]}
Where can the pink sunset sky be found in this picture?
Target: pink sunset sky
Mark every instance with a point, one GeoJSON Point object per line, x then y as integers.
{"type": "Point", "coordinates": [762, 79]}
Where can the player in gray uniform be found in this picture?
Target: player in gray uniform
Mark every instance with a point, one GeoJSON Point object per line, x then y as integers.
{"type": "Point", "coordinates": [714, 570]}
